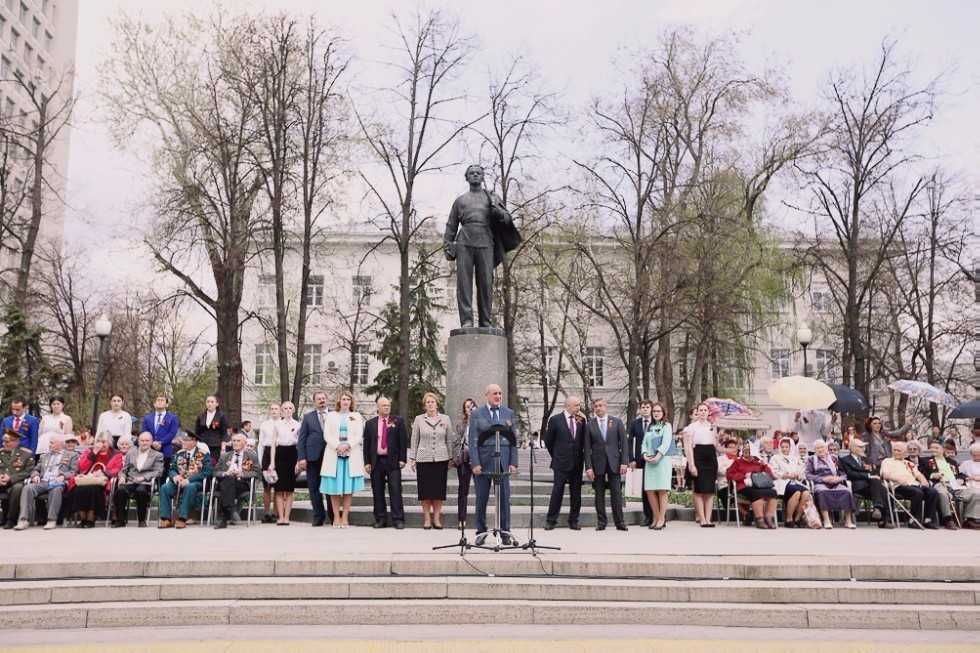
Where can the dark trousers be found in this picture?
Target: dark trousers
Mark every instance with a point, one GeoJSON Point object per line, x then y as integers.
{"type": "Point", "coordinates": [166, 467]}
{"type": "Point", "coordinates": [873, 489]}
{"type": "Point", "coordinates": [647, 508]}
{"type": "Point", "coordinates": [469, 259]}
{"type": "Point", "coordinates": [313, 485]}
{"type": "Point", "coordinates": [229, 487]}
{"type": "Point", "coordinates": [573, 480]}
{"type": "Point", "coordinates": [121, 501]}
{"type": "Point", "coordinates": [387, 471]}
{"type": "Point", "coordinates": [465, 473]}
{"type": "Point", "coordinates": [483, 482]}
{"type": "Point", "coordinates": [614, 482]}
{"type": "Point", "coordinates": [919, 495]}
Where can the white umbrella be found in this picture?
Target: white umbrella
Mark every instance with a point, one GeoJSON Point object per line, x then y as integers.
{"type": "Point", "coordinates": [802, 393]}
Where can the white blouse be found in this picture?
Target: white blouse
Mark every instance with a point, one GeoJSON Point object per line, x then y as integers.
{"type": "Point", "coordinates": [118, 424]}
{"type": "Point", "coordinates": [702, 433]}
{"type": "Point", "coordinates": [266, 431]}
{"type": "Point", "coordinates": [287, 432]}
{"type": "Point", "coordinates": [52, 425]}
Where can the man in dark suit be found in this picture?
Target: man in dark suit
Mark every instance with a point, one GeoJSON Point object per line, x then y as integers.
{"type": "Point", "coordinates": [385, 454]}
{"type": "Point", "coordinates": [606, 461]}
{"type": "Point", "coordinates": [564, 439]}
{"type": "Point", "coordinates": [233, 475]}
{"type": "Point", "coordinates": [310, 455]}
{"type": "Point", "coordinates": [163, 426]}
{"type": "Point", "coordinates": [212, 428]}
{"type": "Point", "coordinates": [482, 461]}
{"type": "Point", "coordinates": [638, 430]}
{"type": "Point", "coordinates": [865, 483]}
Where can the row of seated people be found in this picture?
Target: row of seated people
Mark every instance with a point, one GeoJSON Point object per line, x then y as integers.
{"type": "Point", "coordinates": [81, 483]}
{"type": "Point", "coordinates": [931, 484]}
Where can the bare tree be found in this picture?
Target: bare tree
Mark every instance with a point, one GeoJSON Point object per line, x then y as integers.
{"type": "Point", "coordinates": [859, 199]}
{"type": "Point", "coordinates": [413, 141]}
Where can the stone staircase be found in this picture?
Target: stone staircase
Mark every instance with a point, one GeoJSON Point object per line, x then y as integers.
{"type": "Point", "coordinates": [484, 588]}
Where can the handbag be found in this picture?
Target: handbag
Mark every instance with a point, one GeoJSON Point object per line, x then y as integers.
{"type": "Point", "coordinates": [95, 476]}
{"type": "Point", "coordinates": [761, 481]}
{"type": "Point", "coordinates": [271, 476]}
{"type": "Point", "coordinates": [658, 439]}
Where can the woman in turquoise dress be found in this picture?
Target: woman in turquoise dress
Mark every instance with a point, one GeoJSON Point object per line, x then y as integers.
{"type": "Point", "coordinates": [342, 471]}
{"type": "Point", "coordinates": [658, 469]}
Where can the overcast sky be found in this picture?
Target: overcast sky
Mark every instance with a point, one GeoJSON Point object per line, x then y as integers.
{"type": "Point", "coordinates": [574, 44]}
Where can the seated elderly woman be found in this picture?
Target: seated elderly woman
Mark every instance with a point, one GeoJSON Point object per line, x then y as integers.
{"type": "Point", "coordinates": [790, 472]}
{"type": "Point", "coordinates": [742, 472]}
{"type": "Point", "coordinates": [829, 486]}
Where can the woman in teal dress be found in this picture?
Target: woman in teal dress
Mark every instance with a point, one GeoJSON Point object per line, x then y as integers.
{"type": "Point", "coordinates": [658, 469]}
{"type": "Point", "coordinates": [342, 471]}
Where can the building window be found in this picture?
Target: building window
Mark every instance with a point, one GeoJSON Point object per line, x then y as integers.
{"type": "Point", "coordinates": [45, 5]}
{"type": "Point", "coordinates": [11, 258]}
{"type": "Point", "coordinates": [362, 362]}
{"type": "Point", "coordinates": [4, 67]}
{"type": "Point", "coordinates": [780, 363]}
{"type": "Point", "coordinates": [264, 365]}
{"type": "Point", "coordinates": [551, 363]}
{"type": "Point", "coordinates": [594, 365]}
{"type": "Point", "coordinates": [47, 41]}
{"type": "Point", "coordinates": [3, 23]}
{"type": "Point", "coordinates": [362, 289]}
{"type": "Point", "coordinates": [312, 360]}
{"type": "Point", "coordinates": [36, 29]}
{"type": "Point", "coordinates": [14, 39]}
{"type": "Point", "coordinates": [821, 301]}
{"type": "Point", "coordinates": [24, 13]}
{"type": "Point", "coordinates": [824, 360]}
{"type": "Point", "coordinates": [314, 290]}
{"type": "Point", "coordinates": [28, 54]}
{"type": "Point", "coordinates": [10, 5]}
{"type": "Point", "coordinates": [267, 291]}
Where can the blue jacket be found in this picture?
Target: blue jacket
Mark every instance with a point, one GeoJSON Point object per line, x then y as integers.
{"type": "Point", "coordinates": [28, 430]}
{"type": "Point", "coordinates": [165, 434]}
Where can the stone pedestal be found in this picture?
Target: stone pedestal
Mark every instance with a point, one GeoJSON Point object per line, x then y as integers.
{"type": "Point", "coordinates": [477, 357]}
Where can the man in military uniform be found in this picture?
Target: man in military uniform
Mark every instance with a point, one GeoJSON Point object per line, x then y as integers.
{"type": "Point", "coordinates": [190, 468]}
{"type": "Point", "coordinates": [16, 465]}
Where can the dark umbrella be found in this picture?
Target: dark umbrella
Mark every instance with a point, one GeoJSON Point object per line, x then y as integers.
{"type": "Point", "coordinates": [848, 400]}
{"type": "Point", "coordinates": [968, 410]}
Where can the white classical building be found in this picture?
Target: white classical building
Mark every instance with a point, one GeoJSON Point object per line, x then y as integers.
{"type": "Point", "coordinates": [354, 274]}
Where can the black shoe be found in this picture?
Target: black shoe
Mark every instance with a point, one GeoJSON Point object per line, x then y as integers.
{"type": "Point", "coordinates": [117, 524]}
{"type": "Point", "coordinates": [399, 525]}
{"type": "Point", "coordinates": [316, 523]}
{"type": "Point", "coordinates": [437, 527]}
{"type": "Point", "coordinates": [647, 523]}
{"type": "Point", "coordinates": [88, 524]}
{"type": "Point", "coordinates": [142, 523]}
{"type": "Point", "coordinates": [380, 524]}
{"type": "Point", "coordinates": [789, 524]}
{"type": "Point", "coordinates": [575, 527]}
{"type": "Point", "coordinates": [506, 541]}
{"type": "Point", "coordinates": [480, 539]}
{"type": "Point", "coordinates": [600, 527]}
{"type": "Point", "coordinates": [622, 527]}
{"type": "Point", "coordinates": [932, 526]}
{"type": "Point", "coordinates": [269, 519]}
{"type": "Point", "coordinates": [10, 525]}
{"type": "Point", "coordinates": [550, 526]}
{"type": "Point", "coordinates": [885, 524]}
{"type": "Point", "coordinates": [222, 523]}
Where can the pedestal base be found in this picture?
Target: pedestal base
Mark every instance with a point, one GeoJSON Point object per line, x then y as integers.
{"type": "Point", "coordinates": [477, 357]}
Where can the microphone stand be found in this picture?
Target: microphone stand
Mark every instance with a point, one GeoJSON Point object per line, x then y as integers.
{"type": "Point", "coordinates": [531, 542]}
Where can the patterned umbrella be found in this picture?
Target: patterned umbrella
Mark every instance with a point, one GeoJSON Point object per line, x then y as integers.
{"type": "Point", "coordinates": [718, 407]}
{"type": "Point", "coordinates": [923, 390]}
{"type": "Point", "coordinates": [741, 422]}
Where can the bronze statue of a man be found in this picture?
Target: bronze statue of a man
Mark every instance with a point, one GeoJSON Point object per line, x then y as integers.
{"type": "Point", "coordinates": [479, 233]}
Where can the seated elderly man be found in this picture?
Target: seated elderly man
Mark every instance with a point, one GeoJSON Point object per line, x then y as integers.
{"type": "Point", "coordinates": [911, 484]}
{"type": "Point", "coordinates": [191, 466]}
{"type": "Point", "coordinates": [16, 466]}
{"type": "Point", "coordinates": [950, 483]}
{"type": "Point", "coordinates": [971, 475]}
{"type": "Point", "coordinates": [143, 464]}
{"type": "Point", "coordinates": [235, 469]}
{"type": "Point", "coordinates": [865, 482]}
{"type": "Point", "coordinates": [50, 478]}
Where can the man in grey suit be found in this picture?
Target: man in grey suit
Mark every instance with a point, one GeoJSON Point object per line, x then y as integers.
{"type": "Point", "coordinates": [606, 460]}
{"type": "Point", "coordinates": [310, 455]}
{"type": "Point", "coordinates": [50, 478]}
{"type": "Point", "coordinates": [234, 474]}
{"type": "Point", "coordinates": [143, 464]}
{"type": "Point", "coordinates": [482, 461]}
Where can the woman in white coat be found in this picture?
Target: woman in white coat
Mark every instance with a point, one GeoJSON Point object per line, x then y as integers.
{"type": "Point", "coordinates": [342, 471]}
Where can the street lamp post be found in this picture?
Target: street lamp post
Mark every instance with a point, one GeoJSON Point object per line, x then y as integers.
{"type": "Point", "coordinates": [804, 336]}
{"type": "Point", "coordinates": [103, 327]}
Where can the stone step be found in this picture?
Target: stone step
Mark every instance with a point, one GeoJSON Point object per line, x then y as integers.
{"type": "Point", "coordinates": [383, 588]}
{"type": "Point", "coordinates": [461, 611]}
{"type": "Point", "coordinates": [575, 568]}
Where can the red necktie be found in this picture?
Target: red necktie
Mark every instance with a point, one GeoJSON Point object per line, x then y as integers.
{"type": "Point", "coordinates": [384, 434]}
{"type": "Point", "coordinates": [17, 423]}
